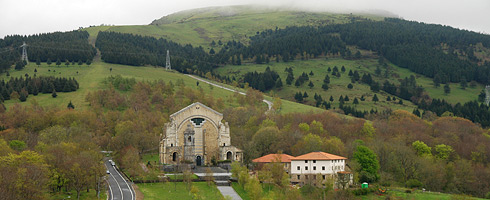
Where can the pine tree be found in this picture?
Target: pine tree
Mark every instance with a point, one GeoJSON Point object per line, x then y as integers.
{"type": "Point", "coordinates": [311, 85]}
{"type": "Point", "coordinates": [278, 83]}
{"type": "Point", "coordinates": [388, 98]}
{"type": "Point", "coordinates": [341, 98]}
{"type": "Point", "coordinates": [305, 95]}
{"type": "Point", "coordinates": [297, 83]}
{"type": "Point", "coordinates": [342, 69]}
{"type": "Point", "coordinates": [356, 101]}
{"type": "Point", "coordinates": [346, 98]}
{"type": "Point", "coordinates": [325, 86]}
{"type": "Point", "coordinates": [416, 112]}
{"type": "Point", "coordinates": [363, 98]}
{"type": "Point", "coordinates": [70, 106]}
{"type": "Point", "coordinates": [54, 95]}
{"type": "Point", "coordinates": [38, 62]}
{"type": "Point", "coordinates": [289, 79]}
{"type": "Point", "coordinates": [447, 89]}
{"type": "Point", "coordinates": [58, 62]}
{"type": "Point", "coordinates": [311, 73]}
{"type": "Point", "coordinates": [463, 83]}
{"type": "Point", "coordinates": [350, 86]}
{"type": "Point", "coordinates": [350, 73]}
{"type": "Point", "coordinates": [329, 69]}
{"type": "Point", "coordinates": [326, 80]}
{"type": "Point", "coordinates": [331, 98]}
{"type": "Point", "coordinates": [375, 98]}
{"type": "Point", "coordinates": [48, 62]}
{"type": "Point", "coordinates": [400, 102]}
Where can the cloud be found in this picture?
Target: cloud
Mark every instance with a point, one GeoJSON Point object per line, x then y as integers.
{"type": "Point", "coordinates": [35, 16]}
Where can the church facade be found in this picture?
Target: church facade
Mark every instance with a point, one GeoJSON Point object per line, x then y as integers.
{"type": "Point", "coordinates": [196, 134]}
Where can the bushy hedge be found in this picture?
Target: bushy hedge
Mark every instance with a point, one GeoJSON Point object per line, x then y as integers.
{"type": "Point", "coordinates": [364, 191]}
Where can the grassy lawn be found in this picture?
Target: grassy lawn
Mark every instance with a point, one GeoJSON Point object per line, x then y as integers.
{"type": "Point", "coordinates": [173, 191]}
{"type": "Point", "coordinates": [399, 194]}
{"type": "Point", "coordinates": [83, 195]}
{"type": "Point", "coordinates": [150, 157]}
{"type": "Point", "coordinates": [267, 190]}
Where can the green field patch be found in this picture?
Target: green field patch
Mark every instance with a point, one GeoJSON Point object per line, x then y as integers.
{"type": "Point", "coordinates": [178, 190]}
{"type": "Point", "coordinates": [338, 86]}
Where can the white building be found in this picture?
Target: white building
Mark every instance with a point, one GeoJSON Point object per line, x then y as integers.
{"type": "Point", "coordinates": [308, 168]}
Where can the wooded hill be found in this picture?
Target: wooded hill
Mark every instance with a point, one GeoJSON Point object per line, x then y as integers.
{"type": "Point", "coordinates": [47, 47]}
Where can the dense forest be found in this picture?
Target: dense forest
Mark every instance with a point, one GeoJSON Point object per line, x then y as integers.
{"type": "Point", "coordinates": [129, 49]}
{"type": "Point", "coordinates": [47, 47]}
{"type": "Point", "coordinates": [412, 45]}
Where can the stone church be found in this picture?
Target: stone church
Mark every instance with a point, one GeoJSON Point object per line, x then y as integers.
{"type": "Point", "coordinates": [196, 134]}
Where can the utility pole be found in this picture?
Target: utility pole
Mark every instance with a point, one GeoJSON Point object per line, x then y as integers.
{"type": "Point", "coordinates": [167, 63]}
{"type": "Point", "coordinates": [24, 53]}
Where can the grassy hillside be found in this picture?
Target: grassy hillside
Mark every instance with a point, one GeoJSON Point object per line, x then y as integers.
{"type": "Point", "coordinates": [201, 26]}
{"type": "Point", "coordinates": [90, 79]}
{"type": "Point", "coordinates": [338, 86]}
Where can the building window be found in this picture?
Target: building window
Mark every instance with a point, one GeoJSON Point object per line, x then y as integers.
{"type": "Point", "coordinates": [299, 177]}
{"type": "Point", "coordinates": [324, 177]}
{"type": "Point", "coordinates": [306, 161]}
{"type": "Point", "coordinates": [306, 167]}
{"type": "Point", "coordinates": [171, 145]}
{"type": "Point", "coordinates": [314, 167]}
{"type": "Point", "coordinates": [323, 167]}
{"type": "Point", "coordinates": [314, 161]}
{"type": "Point", "coordinates": [299, 168]}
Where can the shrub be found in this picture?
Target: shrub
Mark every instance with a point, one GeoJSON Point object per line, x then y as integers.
{"type": "Point", "coordinates": [413, 183]}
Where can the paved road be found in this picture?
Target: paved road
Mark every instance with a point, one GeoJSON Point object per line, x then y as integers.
{"type": "Point", "coordinates": [229, 89]}
{"type": "Point", "coordinates": [119, 188]}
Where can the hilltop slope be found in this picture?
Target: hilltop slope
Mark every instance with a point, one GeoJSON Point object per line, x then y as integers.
{"type": "Point", "coordinates": [200, 27]}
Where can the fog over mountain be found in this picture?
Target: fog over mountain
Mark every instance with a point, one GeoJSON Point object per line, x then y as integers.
{"type": "Point", "coordinates": [34, 16]}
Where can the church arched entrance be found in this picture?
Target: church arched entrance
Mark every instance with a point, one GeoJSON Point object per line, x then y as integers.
{"type": "Point", "coordinates": [229, 155]}
{"type": "Point", "coordinates": [174, 156]}
{"type": "Point", "coordinates": [198, 160]}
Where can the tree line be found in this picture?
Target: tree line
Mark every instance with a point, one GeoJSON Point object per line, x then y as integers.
{"type": "Point", "coordinates": [136, 50]}
{"type": "Point", "coordinates": [69, 46]}
{"type": "Point", "coordinates": [20, 88]}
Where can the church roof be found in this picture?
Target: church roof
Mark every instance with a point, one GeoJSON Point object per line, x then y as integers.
{"type": "Point", "coordinates": [285, 158]}
{"type": "Point", "coordinates": [197, 103]}
{"type": "Point", "coordinates": [318, 155]}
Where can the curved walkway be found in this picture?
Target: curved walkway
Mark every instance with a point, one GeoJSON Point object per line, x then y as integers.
{"type": "Point", "coordinates": [269, 103]}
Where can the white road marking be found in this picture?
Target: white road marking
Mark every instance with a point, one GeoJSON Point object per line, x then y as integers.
{"type": "Point", "coordinates": [110, 189]}
{"type": "Point", "coordinates": [130, 188]}
{"type": "Point", "coordinates": [122, 194]}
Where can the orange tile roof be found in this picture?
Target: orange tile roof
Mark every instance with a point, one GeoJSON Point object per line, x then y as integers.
{"type": "Point", "coordinates": [285, 158]}
{"type": "Point", "coordinates": [319, 156]}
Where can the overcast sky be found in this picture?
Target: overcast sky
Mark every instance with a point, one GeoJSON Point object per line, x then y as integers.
{"type": "Point", "coordinates": [38, 16]}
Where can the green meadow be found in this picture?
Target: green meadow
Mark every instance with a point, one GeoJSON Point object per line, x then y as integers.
{"type": "Point", "coordinates": [90, 78]}
{"type": "Point", "coordinates": [338, 86]}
